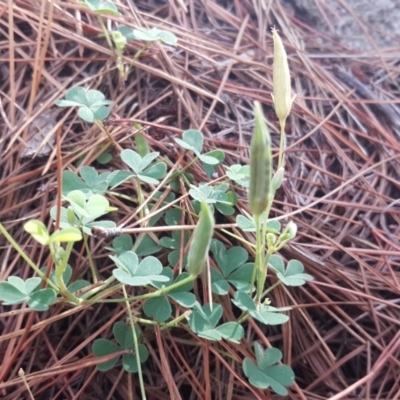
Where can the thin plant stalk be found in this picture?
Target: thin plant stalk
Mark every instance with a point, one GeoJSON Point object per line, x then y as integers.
{"type": "Point", "coordinates": [135, 342]}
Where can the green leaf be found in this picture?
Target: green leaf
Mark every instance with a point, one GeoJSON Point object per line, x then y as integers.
{"type": "Point", "coordinates": [77, 200]}
{"type": "Point", "coordinates": [266, 314]}
{"type": "Point", "coordinates": [9, 294]}
{"type": "Point", "coordinates": [42, 299]}
{"type": "Point", "coordinates": [203, 318]}
{"type": "Point", "coordinates": [208, 159]}
{"type": "Point", "coordinates": [156, 171]}
{"type": "Point", "coordinates": [158, 308]}
{"type": "Point", "coordinates": [232, 266]}
{"type": "Point", "coordinates": [129, 360]}
{"type": "Point", "coordinates": [78, 285]}
{"type": "Point", "coordinates": [105, 158]}
{"type": "Point", "coordinates": [231, 331]}
{"type": "Point", "coordinates": [130, 272]}
{"type": "Point", "coordinates": [173, 216]}
{"type": "Point", "coordinates": [117, 178]}
{"type": "Point", "coordinates": [127, 32]}
{"type": "Point", "coordinates": [122, 243]}
{"type": "Point", "coordinates": [266, 373]}
{"type": "Point", "coordinates": [131, 159]}
{"type": "Point", "coordinates": [104, 347]}
{"type": "Point", "coordinates": [239, 174]}
{"type": "Point", "coordinates": [92, 104]}
{"type": "Point", "coordinates": [203, 321]}
{"type": "Point", "coordinates": [142, 144]}
{"type": "Point", "coordinates": [185, 299]}
{"type": "Point", "coordinates": [124, 336]}
{"type": "Point", "coordinates": [247, 224]}
{"type": "Point", "coordinates": [293, 275]}
{"type": "Point", "coordinates": [147, 246]}
{"type": "Point", "coordinates": [71, 181]}
{"type": "Point", "coordinates": [66, 235]}
{"type": "Point", "coordinates": [37, 229]}
{"type": "Point", "coordinates": [167, 37]}
{"type": "Point", "coordinates": [155, 34]}
{"type": "Point", "coordinates": [101, 7]}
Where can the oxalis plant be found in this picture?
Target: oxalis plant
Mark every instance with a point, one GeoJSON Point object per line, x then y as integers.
{"type": "Point", "coordinates": [162, 296]}
{"type": "Point", "coordinates": [117, 39]}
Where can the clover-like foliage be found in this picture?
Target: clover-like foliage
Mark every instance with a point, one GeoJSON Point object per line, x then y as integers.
{"type": "Point", "coordinates": [204, 320]}
{"type": "Point", "coordinates": [16, 291]}
{"type": "Point", "coordinates": [159, 307]}
{"type": "Point", "coordinates": [266, 373]}
{"type": "Point", "coordinates": [233, 268]}
{"type": "Point", "coordinates": [264, 313]}
{"type": "Point", "coordinates": [83, 211]}
{"type": "Point", "coordinates": [293, 275]}
{"type": "Point", "coordinates": [141, 166]}
{"type": "Point", "coordinates": [125, 342]}
{"type": "Point", "coordinates": [92, 104]}
{"type": "Point", "coordinates": [134, 273]}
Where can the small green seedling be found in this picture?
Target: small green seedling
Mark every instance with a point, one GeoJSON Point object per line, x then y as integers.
{"type": "Point", "coordinates": [142, 170]}
{"type": "Point", "coordinates": [92, 104]}
{"type": "Point", "coordinates": [192, 140]}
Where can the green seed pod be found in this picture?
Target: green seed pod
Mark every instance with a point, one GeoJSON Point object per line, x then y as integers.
{"type": "Point", "coordinates": [200, 245]}
{"type": "Point", "coordinates": [281, 80]}
{"type": "Point", "coordinates": [260, 164]}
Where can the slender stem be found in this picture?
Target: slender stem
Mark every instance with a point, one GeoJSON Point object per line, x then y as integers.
{"type": "Point", "coordinates": [282, 144]}
{"type": "Point", "coordinates": [271, 288]}
{"type": "Point", "coordinates": [258, 259]}
{"type": "Point", "coordinates": [135, 342]}
{"type": "Point", "coordinates": [105, 30]}
{"type": "Point", "coordinates": [160, 292]}
{"type": "Point", "coordinates": [89, 254]}
{"type": "Point", "coordinates": [59, 271]}
{"type": "Point", "coordinates": [104, 129]}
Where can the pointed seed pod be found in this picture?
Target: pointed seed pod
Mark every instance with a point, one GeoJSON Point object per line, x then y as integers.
{"type": "Point", "coordinates": [281, 80]}
{"type": "Point", "coordinates": [260, 164]}
{"type": "Point", "coordinates": [200, 244]}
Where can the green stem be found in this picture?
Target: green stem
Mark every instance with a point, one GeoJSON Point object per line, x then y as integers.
{"type": "Point", "coordinates": [160, 292]}
{"type": "Point", "coordinates": [271, 288]}
{"type": "Point", "coordinates": [91, 263]}
{"type": "Point", "coordinates": [104, 129]}
{"type": "Point", "coordinates": [104, 28]}
{"type": "Point", "coordinates": [258, 259]}
{"type": "Point", "coordinates": [135, 341]}
{"type": "Point", "coordinates": [282, 144]}
{"type": "Point", "coordinates": [59, 271]}
{"type": "Point", "coordinates": [26, 258]}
